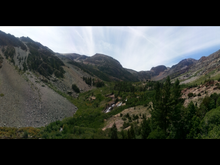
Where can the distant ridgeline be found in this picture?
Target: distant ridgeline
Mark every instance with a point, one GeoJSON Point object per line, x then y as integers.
{"type": "Point", "coordinates": [10, 40]}
{"type": "Point", "coordinates": [92, 70]}
{"type": "Point", "coordinates": [40, 58]}
{"type": "Point", "coordinates": [43, 60]}
{"type": "Point", "coordinates": [104, 67]}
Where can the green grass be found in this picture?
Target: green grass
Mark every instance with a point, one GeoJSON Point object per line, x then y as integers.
{"type": "Point", "coordinates": [216, 77]}
{"type": "Point", "coordinates": [88, 120]}
{"type": "Point", "coordinates": [204, 77]}
{"type": "Point", "coordinates": [190, 76]}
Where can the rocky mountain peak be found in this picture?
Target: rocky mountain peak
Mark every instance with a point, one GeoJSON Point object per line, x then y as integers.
{"type": "Point", "coordinates": [158, 69]}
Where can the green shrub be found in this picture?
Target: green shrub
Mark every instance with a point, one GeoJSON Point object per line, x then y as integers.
{"type": "Point", "coordinates": [157, 134]}
{"type": "Point", "coordinates": [211, 119]}
{"type": "Point", "coordinates": [124, 118]}
{"type": "Point", "coordinates": [125, 125]}
{"type": "Point", "coordinates": [1, 94]}
{"type": "Point", "coordinates": [199, 94]}
{"type": "Point", "coordinates": [75, 88]}
{"type": "Point", "coordinates": [25, 135]}
{"type": "Point", "coordinates": [190, 95]}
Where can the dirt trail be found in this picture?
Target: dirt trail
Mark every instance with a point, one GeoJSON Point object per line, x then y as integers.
{"type": "Point", "coordinates": [27, 103]}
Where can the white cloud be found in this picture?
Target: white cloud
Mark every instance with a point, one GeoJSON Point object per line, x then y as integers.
{"type": "Point", "coordinates": [138, 48]}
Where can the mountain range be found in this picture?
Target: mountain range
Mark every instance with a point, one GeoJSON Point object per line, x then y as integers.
{"type": "Point", "coordinates": [30, 72]}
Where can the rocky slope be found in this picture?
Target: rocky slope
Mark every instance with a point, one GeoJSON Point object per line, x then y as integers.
{"type": "Point", "coordinates": [182, 67]}
{"type": "Point", "coordinates": [26, 101]}
{"type": "Point", "coordinates": [200, 92]}
{"type": "Point", "coordinates": [160, 72]}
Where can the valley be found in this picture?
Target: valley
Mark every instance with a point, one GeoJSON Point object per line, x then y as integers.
{"type": "Point", "coordinates": [50, 95]}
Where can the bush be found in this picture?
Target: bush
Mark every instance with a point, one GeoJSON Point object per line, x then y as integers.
{"type": "Point", "coordinates": [213, 134]}
{"type": "Point", "coordinates": [199, 94]}
{"type": "Point", "coordinates": [190, 95]}
{"type": "Point", "coordinates": [25, 135]}
{"type": "Point", "coordinates": [1, 94]}
{"type": "Point", "coordinates": [211, 119]}
{"type": "Point", "coordinates": [45, 136]}
{"type": "Point", "coordinates": [157, 134]}
{"type": "Point", "coordinates": [75, 88]}
{"type": "Point", "coordinates": [127, 115]}
{"type": "Point", "coordinates": [125, 125]}
{"type": "Point", "coordinates": [124, 118]}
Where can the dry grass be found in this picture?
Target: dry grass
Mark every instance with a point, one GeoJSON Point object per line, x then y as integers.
{"type": "Point", "coordinates": [131, 111]}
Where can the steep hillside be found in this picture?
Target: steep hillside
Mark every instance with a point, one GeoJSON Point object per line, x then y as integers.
{"type": "Point", "coordinates": [156, 70]}
{"type": "Point", "coordinates": [10, 40]}
{"type": "Point", "coordinates": [26, 101]}
{"type": "Point", "coordinates": [204, 68]}
{"type": "Point", "coordinates": [43, 60]}
{"type": "Point", "coordinates": [182, 67]}
{"type": "Point", "coordinates": [160, 72]}
{"type": "Point", "coordinates": [101, 66]}
{"type": "Point", "coordinates": [29, 75]}
{"type": "Point", "coordinates": [76, 57]}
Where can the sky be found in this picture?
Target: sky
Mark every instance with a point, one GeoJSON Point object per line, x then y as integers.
{"type": "Point", "coordinates": [136, 47]}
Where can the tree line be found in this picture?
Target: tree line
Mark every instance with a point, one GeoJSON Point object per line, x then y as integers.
{"type": "Point", "coordinates": [92, 82]}
{"type": "Point", "coordinates": [171, 120]}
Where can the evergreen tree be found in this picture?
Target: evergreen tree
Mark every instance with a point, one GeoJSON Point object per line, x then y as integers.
{"type": "Point", "coordinates": [186, 123]}
{"type": "Point", "coordinates": [129, 134]}
{"type": "Point", "coordinates": [175, 105]}
{"type": "Point", "coordinates": [156, 113]}
{"type": "Point", "coordinates": [218, 102]}
{"type": "Point", "coordinates": [145, 128]}
{"type": "Point", "coordinates": [212, 104]}
{"type": "Point", "coordinates": [161, 102]}
{"type": "Point", "coordinates": [25, 135]}
{"type": "Point", "coordinates": [113, 132]}
{"type": "Point", "coordinates": [132, 132]}
{"type": "Point", "coordinates": [214, 96]}
{"type": "Point", "coordinates": [195, 128]}
{"type": "Point", "coordinates": [167, 106]}
{"type": "Point", "coordinates": [123, 134]}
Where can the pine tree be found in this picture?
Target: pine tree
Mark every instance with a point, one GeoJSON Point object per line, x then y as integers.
{"type": "Point", "coordinates": [129, 134]}
{"type": "Point", "coordinates": [123, 134]}
{"type": "Point", "coordinates": [113, 132]}
{"type": "Point", "coordinates": [90, 81]}
{"type": "Point", "coordinates": [132, 132]}
{"type": "Point", "coordinates": [145, 128]}
{"type": "Point", "coordinates": [156, 113]}
{"type": "Point", "coordinates": [166, 105]}
{"type": "Point", "coordinates": [175, 104]}
{"type": "Point", "coordinates": [212, 104]}
{"type": "Point", "coordinates": [218, 102]}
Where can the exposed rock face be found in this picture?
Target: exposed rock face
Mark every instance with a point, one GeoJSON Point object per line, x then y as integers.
{"type": "Point", "coordinates": [156, 70]}
{"type": "Point", "coordinates": [161, 71]}
{"type": "Point", "coordinates": [207, 63]}
{"type": "Point", "coordinates": [183, 64]}
{"type": "Point", "coordinates": [29, 102]}
{"type": "Point", "coordinates": [204, 90]}
{"type": "Point", "coordinates": [76, 57]}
